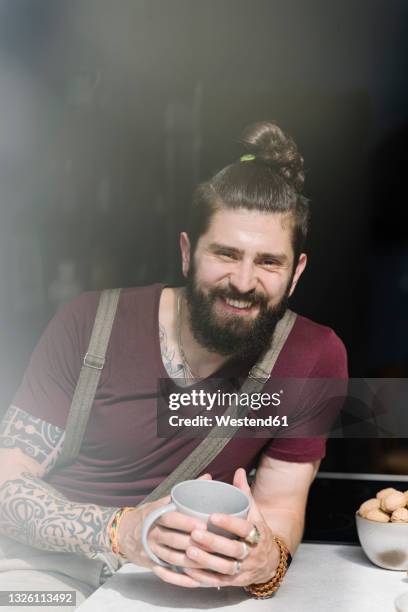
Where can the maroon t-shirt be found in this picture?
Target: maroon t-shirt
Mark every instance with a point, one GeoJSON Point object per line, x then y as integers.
{"type": "Point", "coordinates": [122, 459]}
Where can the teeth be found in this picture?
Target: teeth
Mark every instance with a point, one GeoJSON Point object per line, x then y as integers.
{"type": "Point", "coordinates": [238, 303]}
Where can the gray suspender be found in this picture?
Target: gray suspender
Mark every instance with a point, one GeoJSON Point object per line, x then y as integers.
{"type": "Point", "coordinates": [88, 380]}
{"type": "Point", "coordinates": [89, 376]}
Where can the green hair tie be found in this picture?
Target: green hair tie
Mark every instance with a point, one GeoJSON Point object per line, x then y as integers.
{"type": "Point", "coordinates": [247, 157]}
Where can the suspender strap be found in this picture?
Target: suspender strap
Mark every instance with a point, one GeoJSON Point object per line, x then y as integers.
{"type": "Point", "coordinates": [212, 445]}
{"type": "Point", "coordinates": [89, 376]}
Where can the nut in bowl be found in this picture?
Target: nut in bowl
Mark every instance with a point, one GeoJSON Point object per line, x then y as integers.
{"type": "Point", "coordinates": [382, 527]}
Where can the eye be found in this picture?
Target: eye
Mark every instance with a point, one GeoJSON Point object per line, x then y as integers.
{"type": "Point", "coordinates": [269, 262]}
{"type": "Point", "coordinates": [226, 254]}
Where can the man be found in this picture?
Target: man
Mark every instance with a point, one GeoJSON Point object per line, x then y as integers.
{"type": "Point", "coordinates": [242, 258]}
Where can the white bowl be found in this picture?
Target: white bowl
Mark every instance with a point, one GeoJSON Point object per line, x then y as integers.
{"type": "Point", "coordinates": [385, 544]}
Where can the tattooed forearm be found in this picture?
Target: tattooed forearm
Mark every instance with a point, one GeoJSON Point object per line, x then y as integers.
{"type": "Point", "coordinates": [36, 438]}
{"type": "Point", "coordinates": [33, 512]}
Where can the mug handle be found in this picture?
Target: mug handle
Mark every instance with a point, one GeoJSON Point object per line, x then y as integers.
{"type": "Point", "coordinates": [147, 524]}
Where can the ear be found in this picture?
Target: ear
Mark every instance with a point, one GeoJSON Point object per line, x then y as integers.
{"type": "Point", "coordinates": [300, 266]}
{"type": "Point", "coordinates": [185, 249]}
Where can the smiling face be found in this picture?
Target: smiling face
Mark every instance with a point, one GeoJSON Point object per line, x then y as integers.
{"type": "Point", "coordinates": [239, 279]}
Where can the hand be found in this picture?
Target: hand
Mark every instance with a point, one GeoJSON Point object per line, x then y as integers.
{"type": "Point", "coordinates": [169, 537]}
{"type": "Point", "coordinates": [258, 566]}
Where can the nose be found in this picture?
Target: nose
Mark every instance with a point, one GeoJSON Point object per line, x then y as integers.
{"type": "Point", "coordinates": [243, 277]}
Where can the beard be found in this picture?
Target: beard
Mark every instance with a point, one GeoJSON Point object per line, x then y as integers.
{"type": "Point", "coordinates": [235, 335]}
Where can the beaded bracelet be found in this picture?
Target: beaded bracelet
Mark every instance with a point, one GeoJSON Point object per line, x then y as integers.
{"type": "Point", "coordinates": [265, 590]}
{"type": "Point", "coordinates": [113, 529]}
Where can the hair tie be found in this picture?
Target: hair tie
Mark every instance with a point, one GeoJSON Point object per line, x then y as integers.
{"type": "Point", "coordinates": [247, 157]}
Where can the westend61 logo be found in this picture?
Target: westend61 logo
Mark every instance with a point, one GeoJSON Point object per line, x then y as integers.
{"type": "Point", "coordinates": [300, 407]}
{"type": "Point", "coordinates": [206, 400]}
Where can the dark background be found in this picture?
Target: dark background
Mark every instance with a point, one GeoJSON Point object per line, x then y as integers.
{"type": "Point", "coordinates": [111, 111]}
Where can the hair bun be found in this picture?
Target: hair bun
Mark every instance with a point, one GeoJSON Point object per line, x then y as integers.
{"type": "Point", "coordinates": [273, 147]}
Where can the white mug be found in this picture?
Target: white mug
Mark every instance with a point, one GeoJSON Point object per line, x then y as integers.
{"type": "Point", "coordinates": [199, 498]}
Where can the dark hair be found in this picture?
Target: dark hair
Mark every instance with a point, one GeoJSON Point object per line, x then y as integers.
{"type": "Point", "coordinates": [271, 182]}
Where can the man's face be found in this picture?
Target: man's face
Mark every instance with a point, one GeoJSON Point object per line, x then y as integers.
{"type": "Point", "coordinates": [239, 280]}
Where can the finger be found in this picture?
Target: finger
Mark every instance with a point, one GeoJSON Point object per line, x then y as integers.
{"type": "Point", "coordinates": [219, 544]}
{"type": "Point", "coordinates": [211, 562]}
{"type": "Point", "coordinates": [238, 526]}
{"type": "Point", "coordinates": [174, 557]}
{"type": "Point", "coordinates": [181, 522]}
{"type": "Point", "coordinates": [167, 575]}
{"type": "Point", "coordinates": [172, 538]}
{"type": "Point", "coordinates": [218, 580]}
{"type": "Point", "coordinates": [163, 501]}
{"type": "Point", "coordinates": [240, 481]}
{"type": "Point", "coordinates": [205, 477]}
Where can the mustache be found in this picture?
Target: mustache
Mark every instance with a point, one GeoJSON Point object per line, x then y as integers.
{"type": "Point", "coordinates": [233, 294]}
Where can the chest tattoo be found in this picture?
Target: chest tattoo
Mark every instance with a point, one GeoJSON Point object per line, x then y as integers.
{"type": "Point", "coordinates": [171, 359]}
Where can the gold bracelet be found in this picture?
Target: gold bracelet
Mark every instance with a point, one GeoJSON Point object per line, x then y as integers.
{"type": "Point", "coordinates": [113, 529]}
{"type": "Point", "coordinates": [264, 590]}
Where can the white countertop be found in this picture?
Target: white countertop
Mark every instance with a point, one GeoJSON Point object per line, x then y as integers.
{"type": "Point", "coordinates": [322, 577]}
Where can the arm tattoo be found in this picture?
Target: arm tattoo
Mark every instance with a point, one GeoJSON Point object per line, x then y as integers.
{"type": "Point", "coordinates": [174, 368]}
{"type": "Point", "coordinates": [35, 437]}
{"type": "Point", "coordinates": [33, 512]}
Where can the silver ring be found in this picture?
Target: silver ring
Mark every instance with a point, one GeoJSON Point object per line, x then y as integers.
{"type": "Point", "coordinates": [237, 567]}
{"type": "Point", "coordinates": [246, 551]}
